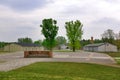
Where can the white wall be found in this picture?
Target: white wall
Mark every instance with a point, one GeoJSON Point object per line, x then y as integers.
{"type": "Point", "coordinates": [107, 48]}
{"type": "Point", "coordinates": [33, 48]}
{"type": "Point", "coordinates": [15, 47]}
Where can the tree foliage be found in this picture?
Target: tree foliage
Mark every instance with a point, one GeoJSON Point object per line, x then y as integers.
{"type": "Point", "coordinates": [117, 36]}
{"type": "Point", "coordinates": [2, 44]}
{"type": "Point", "coordinates": [38, 42]}
{"type": "Point", "coordinates": [88, 41]}
{"type": "Point", "coordinates": [25, 40]}
{"type": "Point", "coordinates": [49, 30]}
{"type": "Point", "coordinates": [74, 33]}
{"type": "Point", "coordinates": [117, 41]}
{"type": "Point", "coordinates": [84, 42]}
{"type": "Point", "coordinates": [61, 40]}
{"type": "Point", "coordinates": [108, 36]}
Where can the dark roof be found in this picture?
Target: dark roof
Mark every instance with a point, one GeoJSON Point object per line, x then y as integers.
{"type": "Point", "coordinates": [94, 45]}
{"type": "Point", "coordinates": [28, 44]}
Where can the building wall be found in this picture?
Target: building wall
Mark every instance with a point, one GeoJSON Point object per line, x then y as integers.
{"type": "Point", "coordinates": [107, 48]}
{"type": "Point", "coordinates": [95, 49]}
{"type": "Point", "coordinates": [15, 47]}
{"type": "Point", "coordinates": [85, 48]}
{"type": "Point", "coordinates": [32, 48]}
{"type": "Point", "coordinates": [103, 48]}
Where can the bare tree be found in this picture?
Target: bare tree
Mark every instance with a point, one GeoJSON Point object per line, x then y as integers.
{"type": "Point", "coordinates": [117, 36]}
{"type": "Point", "coordinates": [108, 36]}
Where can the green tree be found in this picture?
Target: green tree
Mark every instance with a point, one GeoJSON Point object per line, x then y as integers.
{"type": "Point", "coordinates": [38, 42]}
{"type": "Point", "coordinates": [61, 40]}
{"type": "Point", "coordinates": [74, 33]}
{"type": "Point", "coordinates": [49, 30]}
{"type": "Point", "coordinates": [98, 41]}
{"type": "Point", "coordinates": [25, 40]}
{"type": "Point", "coordinates": [85, 42]}
{"type": "Point", "coordinates": [2, 44]}
{"type": "Point", "coordinates": [117, 41]}
{"type": "Point", "coordinates": [88, 41]}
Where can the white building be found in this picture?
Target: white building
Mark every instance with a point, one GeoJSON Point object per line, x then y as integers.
{"type": "Point", "coordinates": [101, 47]}
{"type": "Point", "coordinates": [63, 46]}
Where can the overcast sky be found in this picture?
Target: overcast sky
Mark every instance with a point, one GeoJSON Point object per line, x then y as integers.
{"type": "Point", "coordinates": [21, 18]}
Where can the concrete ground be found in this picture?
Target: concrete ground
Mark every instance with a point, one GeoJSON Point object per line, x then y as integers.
{"type": "Point", "coordinates": [16, 59]}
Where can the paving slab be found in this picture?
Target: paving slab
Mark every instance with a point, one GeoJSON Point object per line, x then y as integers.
{"type": "Point", "coordinates": [16, 60]}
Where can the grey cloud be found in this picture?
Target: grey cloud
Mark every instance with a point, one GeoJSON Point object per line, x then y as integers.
{"type": "Point", "coordinates": [80, 10]}
{"type": "Point", "coordinates": [23, 5]}
{"type": "Point", "coordinates": [112, 1]}
{"type": "Point", "coordinates": [97, 27]}
{"type": "Point", "coordinates": [110, 22]}
{"type": "Point", "coordinates": [11, 29]}
{"type": "Point", "coordinates": [73, 10]}
{"type": "Point", "coordinates": [13, 33]}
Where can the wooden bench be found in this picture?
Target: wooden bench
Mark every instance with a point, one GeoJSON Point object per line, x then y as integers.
{"type": "Point", "coordinates": [41, 54]}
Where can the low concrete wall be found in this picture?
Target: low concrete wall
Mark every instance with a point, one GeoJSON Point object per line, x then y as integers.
{"type": "Point", "coordinates": [41, 54]}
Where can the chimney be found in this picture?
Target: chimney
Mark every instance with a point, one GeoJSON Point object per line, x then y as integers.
{"type": "Point", "coordinates": [91, 41]}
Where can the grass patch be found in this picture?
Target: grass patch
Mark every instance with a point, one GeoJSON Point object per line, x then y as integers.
{"type": "Point", "coordinates": [4, 52]}
{"type": "Point", "coordinates": [118, 60]}
{"type": "Point", "coordinates": [113, 54]}
{"type": "Point", "coordinates": [62, 71]}
{"type": "Point", "coordinates": [66, 51]}
{"type": "Point", "coordinates": [62, 51]}
{"type": "Point", "coordinates": [2, 61]}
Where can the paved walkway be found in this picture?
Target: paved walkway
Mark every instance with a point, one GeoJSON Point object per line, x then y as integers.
{"type": "Point", "coordinates": [16, 60]}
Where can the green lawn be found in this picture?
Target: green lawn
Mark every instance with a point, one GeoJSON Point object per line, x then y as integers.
{"type": "Point", "coordinates": [2, 52]}
{"type": "Point", "coordinates": [62, 71]}
{"type": "Point", "coordinates": [118, 60]}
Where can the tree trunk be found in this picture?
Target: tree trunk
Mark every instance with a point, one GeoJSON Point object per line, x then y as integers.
{"type": "Point", "coordinates": [73, 48]}
{"type": "Point", "coordinates": [51, 49]}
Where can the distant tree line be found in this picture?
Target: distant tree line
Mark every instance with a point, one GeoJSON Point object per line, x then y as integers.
{"type": "Point", "coordinates": [25, 40]}
{"type": "Point", "coordinates": [88, 41]}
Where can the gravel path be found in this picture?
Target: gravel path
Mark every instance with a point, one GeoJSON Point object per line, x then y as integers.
{"type": "Point", "coordinates": [16, 60]}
